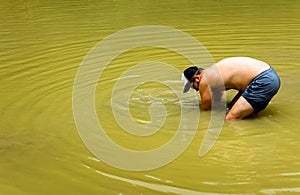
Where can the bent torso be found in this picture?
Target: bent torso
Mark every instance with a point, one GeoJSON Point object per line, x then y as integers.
{"type": "Point", "coordinates": [235, 72]}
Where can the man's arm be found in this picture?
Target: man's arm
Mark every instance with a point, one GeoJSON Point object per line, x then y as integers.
{"type": "Point", "coordinates": [208, 95]}
{"type": "Point", "coordinates": [205, 96]}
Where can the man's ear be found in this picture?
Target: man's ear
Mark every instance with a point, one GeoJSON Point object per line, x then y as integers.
{"type": "Point", "coordinates": [198, 76]}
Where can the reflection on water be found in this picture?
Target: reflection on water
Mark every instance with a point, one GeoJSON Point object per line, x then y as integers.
{"type": "Point", "coordinates": [42, 46]}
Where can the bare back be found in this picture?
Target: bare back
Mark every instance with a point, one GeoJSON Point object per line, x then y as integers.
{"type": "Point", "coordinates": [236, 72]}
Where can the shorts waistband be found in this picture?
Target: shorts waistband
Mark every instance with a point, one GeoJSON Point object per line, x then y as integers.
{"type": "Point", "coordinates": [270, 69]}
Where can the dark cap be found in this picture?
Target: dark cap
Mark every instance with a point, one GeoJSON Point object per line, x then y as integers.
{"type": "Point", "coordinates": [187, 76]}
{"type": "Point", "coordinates": [189, 72]}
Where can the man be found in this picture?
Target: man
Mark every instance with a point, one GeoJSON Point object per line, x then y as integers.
{"type": "Point", "coordinates": [256, 81]}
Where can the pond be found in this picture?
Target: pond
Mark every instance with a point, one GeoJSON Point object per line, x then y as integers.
{"type": "Point", "coordinates": [45, 45]}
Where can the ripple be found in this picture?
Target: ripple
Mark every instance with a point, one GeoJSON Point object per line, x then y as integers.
{"type": "Point", "coordinates": [156, 187]}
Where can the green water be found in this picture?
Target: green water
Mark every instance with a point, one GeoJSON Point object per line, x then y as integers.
{"type": "Point", "coordinates": [43, 44]}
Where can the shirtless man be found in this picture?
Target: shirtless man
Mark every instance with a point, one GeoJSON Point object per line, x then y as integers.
{"type": "Point", "coordinates": [256, 81]}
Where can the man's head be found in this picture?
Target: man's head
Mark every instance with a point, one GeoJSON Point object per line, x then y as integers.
{"type": "Point", "coordinates": [188, 77]}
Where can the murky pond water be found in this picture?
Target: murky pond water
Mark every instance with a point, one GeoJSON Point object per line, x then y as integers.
{"type": "Point", "coordinates": [43, 44]}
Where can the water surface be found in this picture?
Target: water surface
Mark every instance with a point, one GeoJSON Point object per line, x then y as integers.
{"type": "Point", "coordinates": [42, 46]}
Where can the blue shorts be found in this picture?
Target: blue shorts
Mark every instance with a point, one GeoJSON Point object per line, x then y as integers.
{"type": "Point", "coordinates": [261, 89]}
